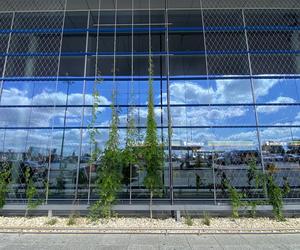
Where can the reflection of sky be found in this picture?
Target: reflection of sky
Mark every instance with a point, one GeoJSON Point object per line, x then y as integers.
{"type": "Point", "coordinates": [192, 92]}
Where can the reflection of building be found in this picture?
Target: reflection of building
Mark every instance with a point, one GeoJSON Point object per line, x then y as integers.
{"type": "Point", "coordinates": [226, 72]}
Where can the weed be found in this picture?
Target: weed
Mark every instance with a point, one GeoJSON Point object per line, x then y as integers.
{"type": "Point", "coordinates": [189, 221]}
{"type": "Point", "coordinates": [52, 222]}
{"type": "Point", "coordinates": [206, 219]}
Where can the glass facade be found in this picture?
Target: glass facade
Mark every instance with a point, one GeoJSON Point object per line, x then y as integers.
{"type": "Point", "coordinates": [226, 88]}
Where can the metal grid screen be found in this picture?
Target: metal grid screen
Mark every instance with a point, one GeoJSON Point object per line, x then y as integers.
{"type": "Point", "coordinates": [226, 86]}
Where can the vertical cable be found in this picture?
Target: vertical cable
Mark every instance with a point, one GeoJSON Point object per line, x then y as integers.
{"type": "Point", "coordinates": [252, 90]}
{"type": "Point", "coordinates": [253, 96]}
{"type": "Point", "coordinates": [56, 88]}
{"type": "Point", "coordinates": [6, 57]}
{"type": "Point", "coordinates": [131, 94]}
{"type": "Point", "coordinates": [83, 102]}
{"type": "Point", "coordinates": [115, 56]}
{"type": "Point", "coordinates": [169, 104]}
{"type": "Point", "coordinates": [207, 79]}
{"type": "Point", "coordinates": [149, 34]}
{"type": "Point", "coordinates": [97, 75]}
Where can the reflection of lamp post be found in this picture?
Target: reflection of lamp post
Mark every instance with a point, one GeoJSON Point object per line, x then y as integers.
{"type": "Point", "coordinates": [4, 137]}
{"type": "Point", "coordinates": [65, 121]}
{"type": "Point", "coordinates": [291, 131]}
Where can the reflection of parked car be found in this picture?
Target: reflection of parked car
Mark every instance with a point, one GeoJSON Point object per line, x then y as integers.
{"type": "Point", "coordinates": [273, 157]}
{"type": "Point", "coordinates": [292, 157]}
{"type": "Point", "coordinates": [39, 171]}
{"type": "Point", "coordinates": [236, 157]}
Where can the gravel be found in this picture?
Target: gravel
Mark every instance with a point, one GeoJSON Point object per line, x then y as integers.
{"type": "Point", "coordinates": [217, 224]}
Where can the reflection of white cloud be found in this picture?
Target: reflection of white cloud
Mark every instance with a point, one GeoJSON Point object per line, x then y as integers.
{"type": "Point", "coordinates": [274, 109]}
{"type": "Point", "coordinates": [223, 91]}
{"type": "Point", "coordinates": [220, 91]}
{"type": "Point", "coordinates": [205, 115]}
{"type": "Point", "coordinates": [188, 92]}
{"type": "Point", "coordinates": [43, 116]}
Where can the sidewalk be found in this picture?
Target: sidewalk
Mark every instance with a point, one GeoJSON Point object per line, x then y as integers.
{"type": "Point", "coordinates": [145, 242]}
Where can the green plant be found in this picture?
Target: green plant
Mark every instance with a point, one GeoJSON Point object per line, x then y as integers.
{"type": "Point", "coordinates": [60, 180]}
{"type": "Point", "coordinates": [198, 182]}
{"type": "Point", "coordinates": [206, 219]}
{"type": "Point", "coordinates": [275, 198]}
{"type": "Point", "coordinates": [52, 222]}
{"type": "Point", "coordinates": [252, 205]}
{"type": "Point", "coordinates": [153, 151]}
{"type": "Point", "coordinates": [109, 173]}
{"type": "Point", "coordinates": [224, 184]}
{"type": "Point", "coordinates": [95, 209]}
{"type": "Point", "coordinates": [5, 175]}
{"type": "Point", "coordinates": [130, 154]}
{"type": "Point", "coordinates": [252, 172]}
{"type": "Point", "coordinates": [31, 192]}
{"type": "Point", "coordinates": [188, 221]}
{"type": "Point", "coordinates": [286, 186]}
{"type": "Point", "coordinates": [72, 219]}
{"type": "Point", "coordinates": [274, 192]}
{"type": "Point", "coordinates": [235, 199]}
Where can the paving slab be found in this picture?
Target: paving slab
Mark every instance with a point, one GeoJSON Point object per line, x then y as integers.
{"type": "Point", "coordinates": [149, 242]}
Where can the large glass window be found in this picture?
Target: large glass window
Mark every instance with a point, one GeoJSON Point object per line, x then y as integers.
{"type": "Point", "coordinates": [218, 110]}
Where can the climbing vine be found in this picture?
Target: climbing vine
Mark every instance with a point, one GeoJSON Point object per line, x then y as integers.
{"type": "Point", "coordinates": [109, 172]}
{"type": "Point", "coordinates": [275, 194]}
{"type": "Point", "coordinates": [31, 192]}
{"type": "Point", "coordinates": [235, 199]}
{"type": "Point", "coordinates": [267, 183]}
{"type": "Point", "coordinates": [131, 152]}
{"type": "Point", "coordinates": [153, 150]}
{"type": "Point", "coordinates": [5, 175]}
{"type": "Point", "coordinates": [95, 210]}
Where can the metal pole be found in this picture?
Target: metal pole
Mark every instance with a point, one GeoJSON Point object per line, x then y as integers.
{"type": "Point", "coordinates": [57, 78]}
{"type": "Point", "coordinates": [131, 94]}
{"type": "Point", "coordinates": [254, 99]}
{"type": "Point", "coordinates": [6, 57]}
{"type": "Point", "coordinates": [253, 92]}
{"type": "Point", "coordinates": [207, 79]}
{"type": "Point", "coordinates": [97, 75]}
{"type": "Point", "coordinates": [168, 104]}
{"type": "Point", "coordinates": [65, 122]}
{"type": "Point", "coordinates": [82, 111]}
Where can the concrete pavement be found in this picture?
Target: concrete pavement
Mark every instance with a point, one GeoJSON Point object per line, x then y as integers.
{"type": "Point", "coordinates": [148, 242]}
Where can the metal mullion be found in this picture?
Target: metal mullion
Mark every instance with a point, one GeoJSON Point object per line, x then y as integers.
{"type": "Point", "coordinates": [115, 51]}
{"type": "Point", "coordinates": [207, 79]}
{"type": "Point", "coordinates": [165, 127]}
{"type": "Point", "coordinates": [54, 108]}
{"type": "Point", "coordinates": [94, 88]}
{"type": "Point", "coordinates": [82, 111]}
{"type": "Point", "coordinates": [253, 93]}
{"type": "Point", "coordinates": [144, 9]}
{"type": "Point", "coordinates": [131, 94]}
{"type": "Point", "coordinates": [168, 104]}
{"type": "Point", "coordinates": [6, 57]}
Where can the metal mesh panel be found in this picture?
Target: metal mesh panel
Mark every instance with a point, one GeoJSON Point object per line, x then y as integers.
{"type": "Point", "coordinates": [250, 4]}
{"type": "Point", "coordinates": [5, 24]}
{"type": "Point", "coordinates": [215, 121]}
{"type": "Point", "coordinates": [35, 5]}
{"type": "Point", "coordinates": [274, 47]}
{"type": "Point", "coordinates": [227, 65]}
{"type": "Point", "coordinates": [269, 17]}
{"type": "Point", "coordinates": [274, 64]}
{"type": "Point", "coordinates": [225, 48]}
{"type": "Point", "coordinates": [33, 47]}
{"type": "Point", "coordinates": [33, 43]}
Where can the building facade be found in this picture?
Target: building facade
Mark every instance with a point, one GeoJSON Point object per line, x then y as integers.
{"type": "Point", "coordinates": [226, 91]}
